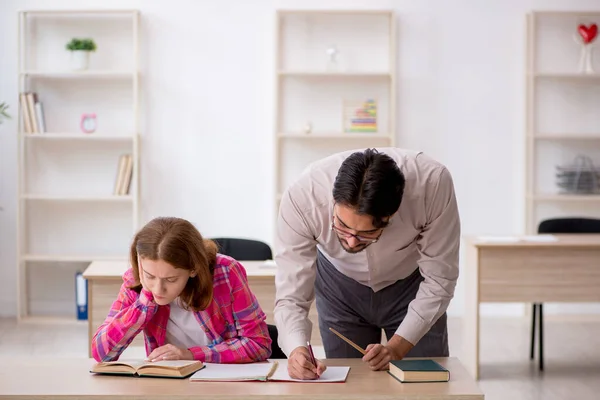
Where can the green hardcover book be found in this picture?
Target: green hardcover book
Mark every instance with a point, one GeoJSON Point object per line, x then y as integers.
{"type": "Point", "coordinates": [418, 371]}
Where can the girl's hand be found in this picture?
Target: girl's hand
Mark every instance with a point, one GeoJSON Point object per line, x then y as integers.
{"type": "Point", "coordinates": [170, 352]}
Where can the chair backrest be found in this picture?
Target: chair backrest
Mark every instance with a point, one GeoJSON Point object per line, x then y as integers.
{"type": "Point", "coordinates": [276, 351]}
{"type": "Point", "coordinates": [244, 249]}
{"type": "Point", "coordinates": [570, 225]}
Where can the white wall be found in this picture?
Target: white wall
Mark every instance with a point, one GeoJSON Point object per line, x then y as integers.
{"type": "Point", "coordinates": [207, 75]}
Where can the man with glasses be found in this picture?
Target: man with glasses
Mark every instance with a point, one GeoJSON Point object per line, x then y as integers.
{"type": "Point", "coordinates": [374, 237]}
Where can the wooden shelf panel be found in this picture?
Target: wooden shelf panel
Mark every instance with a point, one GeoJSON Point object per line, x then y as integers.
{"type": "Point", "coordinates": [344, 136]}
{"type": "Point", "coordinates": [71, 258]}
{"type": "Point", "coordinates": [52, 320]}
{"type": "Point", "coordinates": [98, 74]}
{"type": "Point", "coordinates": [566, 197]}
{"type": "Point", "coordinates": [325, 74]}
{"type": "Point", "coordinates": [79, 13]}
{"type": "Point", "coordinates": [566, 75]}
{"type": "Point", "coordinates": [47, 197]}
{"type": "Point", "coordinates": [336, 12]}
{"type": "Point", "coordinates": [76, 136]}
{"type": "Point", "coordinates": [565, 136]}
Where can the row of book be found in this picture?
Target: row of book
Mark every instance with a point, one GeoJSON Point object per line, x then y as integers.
{"type": "Point", "coordinates": [362, 118]}
{"type": "Point", "coordinates": [33, 113]}
{"type": "Point", "coordinates": [124, 173]}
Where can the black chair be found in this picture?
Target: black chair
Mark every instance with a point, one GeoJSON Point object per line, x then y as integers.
{"type": "Point", "coordinates": [276, 351]}
{"type": "Point", "coordinates": [244, 249]}
{"type": "Point", "coordinates": [251, 250]}
{"type": "Point", "coordinates": [557, 226]}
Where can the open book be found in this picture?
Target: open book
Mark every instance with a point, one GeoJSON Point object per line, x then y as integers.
{"type": "Point", "coordinates": [162, 369]}
{"type": "Point", "coordinates": [265, 371]}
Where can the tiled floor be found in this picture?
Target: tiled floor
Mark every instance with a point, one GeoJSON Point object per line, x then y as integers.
{"type": "Point", "coordinates": [572, 354]}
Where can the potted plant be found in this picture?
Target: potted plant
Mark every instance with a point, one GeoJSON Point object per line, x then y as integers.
{"type": "Point", "coordinates": [3, 114]}
{"type": "Point", "coordinates": [80, 52]}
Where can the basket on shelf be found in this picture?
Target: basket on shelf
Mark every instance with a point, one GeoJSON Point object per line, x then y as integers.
{"type": "Point", "coordinates": [582, 177]}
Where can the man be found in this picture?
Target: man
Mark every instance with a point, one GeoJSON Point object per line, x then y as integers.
{"type": "Point", "coordinates": [374, 235]}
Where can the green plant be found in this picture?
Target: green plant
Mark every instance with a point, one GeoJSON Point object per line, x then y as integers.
{"type": "Point", "coordinates": [3, 113]}
{"type": "Point", "coordinates": [81, 44]}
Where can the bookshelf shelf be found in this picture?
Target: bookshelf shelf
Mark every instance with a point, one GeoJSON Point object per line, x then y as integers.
{"type": "Point", "coordinates": [78, 193]}
{"type": "Point", "coordinates": [77, 136]}
{"type": "Point", "coordinates": [49, 13]}
{"type": "Point", "coordinates": [566, 197]}
{"type": "Point", "coordinates": [79, 74]}
{"type": "Point", "coordinates": [566, 136]}
{"type": "Point", "coordinates": [320, 74]}
{"type": "Point", "coordinates": [42, 197]}
{"type": "Point", "coordinates": [71, 258]}
{"type": "Point", "coordinates": [567, 76]}
{"type": "Point", "coordinates": [325, 84]}
{"type": "Point", "coordinates": [333, 135]}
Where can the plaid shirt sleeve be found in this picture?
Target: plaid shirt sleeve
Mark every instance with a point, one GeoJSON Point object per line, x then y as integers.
{"type": "Point", "coordinates": [253, 342]}
{"type": "Point", "coordinates": [127, 317]}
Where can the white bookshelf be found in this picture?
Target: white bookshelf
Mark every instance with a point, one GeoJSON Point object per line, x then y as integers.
{"type": "Point", "coordinates": [68, 211]}
{"type": "Point", "coordinates": [562, 118]}
{"type": "Point", "coordinates": [309, 89]}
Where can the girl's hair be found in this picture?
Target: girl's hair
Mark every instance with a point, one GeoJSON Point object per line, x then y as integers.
{"type": "Point", "coordinates": [177, 242]}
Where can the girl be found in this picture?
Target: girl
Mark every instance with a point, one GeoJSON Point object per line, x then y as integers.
{"type": "Point", "coordinates": [190, 302]}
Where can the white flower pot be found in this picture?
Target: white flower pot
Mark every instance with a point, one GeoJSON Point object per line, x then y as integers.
{"type": "Point", "coordinates": [80, 59]}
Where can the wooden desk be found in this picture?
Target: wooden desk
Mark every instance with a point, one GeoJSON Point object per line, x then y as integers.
{"type": "Point", "coordinates": [105, 280]}
{"type": "Point", "coordinates": [498, 270]}
{"type": "Point", "coordinates": [59, 378]}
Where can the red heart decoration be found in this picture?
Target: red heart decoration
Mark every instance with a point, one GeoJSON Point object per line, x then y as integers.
{"type": "Point", "coordinates": [588, 33]}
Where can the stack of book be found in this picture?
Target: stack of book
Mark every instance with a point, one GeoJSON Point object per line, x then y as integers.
{"type": "Point", "coordinates": [33, 113]}
{"type": "Point", "coordinates": [124, 173]}
{"type": "Point", "coordinates": [362, 118]}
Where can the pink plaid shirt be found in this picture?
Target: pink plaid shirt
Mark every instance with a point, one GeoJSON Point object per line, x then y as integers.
{"type": "Point", "coordinates": [233, 322]}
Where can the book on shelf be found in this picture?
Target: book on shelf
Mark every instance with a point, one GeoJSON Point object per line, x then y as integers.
{"type": "Point", "coordinates": [360, 117]}
{"type": "Point", "coordinates": [141, 368]}
{"type": "Point", "coordinates": [33, 113]}
{"type": "Point", "coordinates": [275, 371]}
{"type": "Point", "coordinates": [124, 174]}
{"type": "Point", "coordinates": [418, 371]}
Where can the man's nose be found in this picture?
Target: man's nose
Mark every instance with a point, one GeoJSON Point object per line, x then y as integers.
{"type": "Point", "coordinates": [352, 241]}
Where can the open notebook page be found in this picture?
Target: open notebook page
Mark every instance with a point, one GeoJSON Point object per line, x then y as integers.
{"type": "Point", "coordinates": [331, 374]}
{"type": "Point", "coordinates": [233, 372]}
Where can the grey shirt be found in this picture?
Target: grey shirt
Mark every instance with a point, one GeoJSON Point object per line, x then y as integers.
{"type": "Point", "coordinates": [424, 234]}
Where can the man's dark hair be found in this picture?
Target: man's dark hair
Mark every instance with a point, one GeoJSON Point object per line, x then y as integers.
{"type": "Point", "coordinates": [371, 183]}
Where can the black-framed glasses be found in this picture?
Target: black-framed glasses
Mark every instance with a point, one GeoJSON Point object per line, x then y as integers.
{"type": "Point", "coordinates": [346, 234]}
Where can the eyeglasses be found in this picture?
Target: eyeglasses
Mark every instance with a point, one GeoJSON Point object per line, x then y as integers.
{"type": "Point", "coordinates": [346, 234]}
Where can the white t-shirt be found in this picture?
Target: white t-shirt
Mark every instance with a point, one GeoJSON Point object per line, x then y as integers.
{"type": "Point", "coordinates": [183, 329]}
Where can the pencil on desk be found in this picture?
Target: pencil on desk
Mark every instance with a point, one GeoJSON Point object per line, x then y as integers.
{"type": "Point", "coordinates": [350, 342]}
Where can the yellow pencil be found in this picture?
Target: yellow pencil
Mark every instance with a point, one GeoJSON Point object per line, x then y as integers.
{"type": "Point", "coordinates": [350, 342]}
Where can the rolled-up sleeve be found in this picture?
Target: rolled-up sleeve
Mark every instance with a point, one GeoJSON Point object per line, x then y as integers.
{"type": "Point", "coordinates": [295, 256]}
{"type": "Point", "coordinates": [438, 246]}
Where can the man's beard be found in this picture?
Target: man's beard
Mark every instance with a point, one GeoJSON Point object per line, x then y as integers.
{"type": "Point", "coordinates": [349, 250]}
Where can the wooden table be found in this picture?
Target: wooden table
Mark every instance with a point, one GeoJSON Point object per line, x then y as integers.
{"type": "Point", "coordinates": [105, 280]}
{"type": "Point", "coordinates": [528, 270]}
{"type": "Point", "coordinates": [59, 378]}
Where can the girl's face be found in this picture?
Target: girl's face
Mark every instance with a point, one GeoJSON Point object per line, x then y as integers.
{"type": "Point", "coordinates": [162, 279]}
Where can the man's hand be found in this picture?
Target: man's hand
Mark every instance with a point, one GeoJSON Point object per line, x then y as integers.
{"type": "Point", "coordinates": [170, 352]}
{"type": "Point", "coordinates": [379, 356]}
{"type": "Point", "coordinates": [300, 366]}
